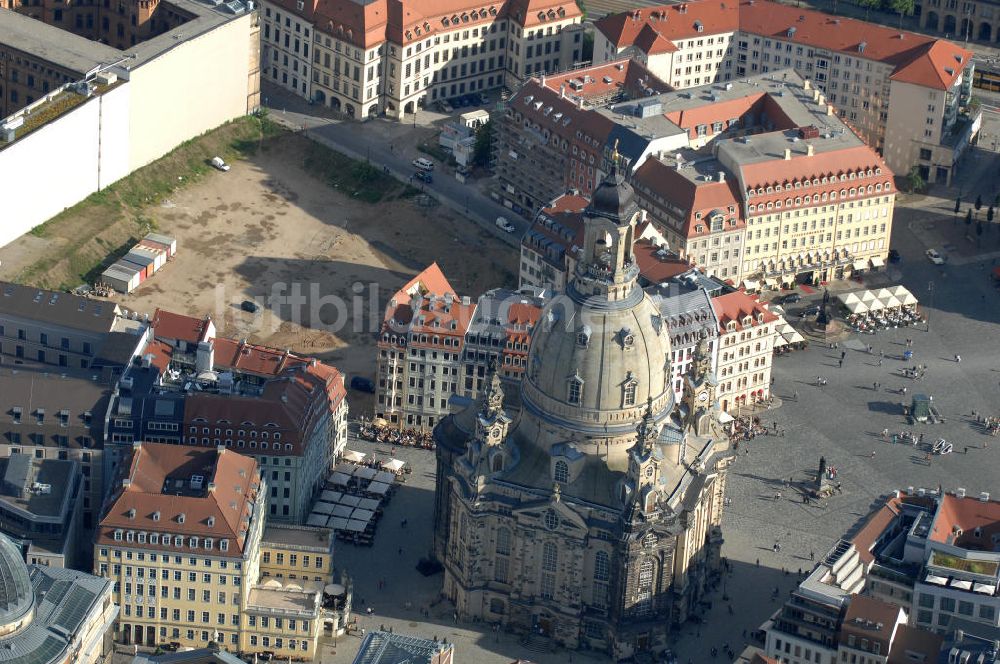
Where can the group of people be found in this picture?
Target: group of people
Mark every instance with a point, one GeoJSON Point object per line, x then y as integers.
{"type": "Point", "coordinates": [884, 319]}
{"type": "Point", "coordinates": [746, 427]}
{"type": "Point", "coordinates": [990, 424]}
{"type": "Point", "coordinates": [378, 432]}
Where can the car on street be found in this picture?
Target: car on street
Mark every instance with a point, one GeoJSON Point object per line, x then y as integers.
{"type": "Point", "coordinates": [483, 99]}
{"type": "Point", "coordinates": [423, 164]}
{"type": "Point", "coordinates": [505, 225]}
{"type": "Point", "coordinates": [218, 163]}
{"type": "Point", "coordinates": [249, 305]}
{"type": "Point", "coordinates": [791, 298]}
{"type": "Point", "coordinates": [934, 257]}
{"type": "Point", "coordinates": [445, 106]}
{"type": "Point", "coordinates": [894, 256]}
{"type": "Point", "coordinates": [362, 384]}
{"type": "Point", "coordinates": [424, 176]}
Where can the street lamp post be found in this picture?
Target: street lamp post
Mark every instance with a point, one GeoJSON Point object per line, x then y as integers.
{"type": "Point", "coordinates": [930, 289]}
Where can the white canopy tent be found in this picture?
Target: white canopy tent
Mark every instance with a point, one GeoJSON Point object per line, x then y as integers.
{"type": "Point", "coordinates": [393, 465]}
{"type": "Point", "coordinates": [354, 457]}
{"type": "Point", "coordinates": [323, 508]}
{"type": "Point", "coordinates": [316, 520]}
{"type": "Point", "coordinates": [378, 488]}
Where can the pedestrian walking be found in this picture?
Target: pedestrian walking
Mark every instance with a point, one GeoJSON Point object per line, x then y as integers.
{"type": "Point", "coordinates": [840, 364]}
{"type": "Point", "coordinates": [873, 453]}
{"type": "Point", "coordinates": [958, 358]}
{"type": "Point", "coordinates": [843, 354]}
{"type": "Point", "coordinates": [880, 361]}
{"type": "Point", "coordinates": [874, 387]}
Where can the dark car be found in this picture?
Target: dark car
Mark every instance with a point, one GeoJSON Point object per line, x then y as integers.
{"type": "Point", "coordinates": [483, 99]}
{"type": "Point", "coordinates": [362, 385]}
{"type": "Point", "coordinates": [791, 298]}
{"type": "Point", "coordinates": [249, 305]}
{"type": "Point", "coordinates": [894, 256]}
{"type": "Point", "coordinates": [424, 176]}
{"type": "Point", "coordinates": [810, 311]}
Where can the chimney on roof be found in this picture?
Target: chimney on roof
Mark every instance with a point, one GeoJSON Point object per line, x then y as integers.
{"type": "Point", "coordinates": [788, 154]}
{"type": "Point", "coordinates": [722, 176]}
{"type": "Point", "coordinates": [543, 78]}
{"type": "Point", "coordinates": [810, 150]}
{"type": "Point", "coordinates": [211, 487]}
{"type": "Point", "coordinates": [562, 91]}
{"type": "Point", "coordinates": [136, 444]}
{"type": "Point", "coordinates": [126, 483]}
{"type": "Point", "coordinates": [220, 448]}
{"type": "Point", "coordinates": [821, 99]}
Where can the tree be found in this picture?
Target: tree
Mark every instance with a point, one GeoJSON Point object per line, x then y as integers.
{"type": "Point", "coordinates": [968, 217]}
{"type": "Point", "coordinates": [979, 203]}
{"type": "Point", "coordinates": [913, 180]}
{"type": "Point", "coordinates": [903, 8]}
{"type": "Point", "coordinates": [989, 214]}
{"type": "Point", "coordinates": [484, 145]}
{"type": "Point", "coordinates": [869, 5]}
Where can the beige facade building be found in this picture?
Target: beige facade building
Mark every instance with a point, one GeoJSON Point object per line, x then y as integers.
{"type": "Point", "coordinates": [745, 350]}
{"type": "Point", "coordinates": [297, 553]}
{"type": "Point", "coordinates": [393, 56]}
{"type": "Point", "coordinates": [182, 539]}
{"type": "Point", "coordinates": [878, 79]}
{"type": "Point", "coordinates": [571, 522]}
{"type": "Point", "coordinates": [781, 191]}
{"type": "Point", "coordinates": [420, 350]}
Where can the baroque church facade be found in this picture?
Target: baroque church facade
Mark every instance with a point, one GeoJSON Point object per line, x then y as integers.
{"type": "Point", "coordinates": [592, 516]}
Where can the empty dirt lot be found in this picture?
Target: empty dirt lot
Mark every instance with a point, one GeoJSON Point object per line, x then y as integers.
{"type": "Point", "coordinates": [267, 227]}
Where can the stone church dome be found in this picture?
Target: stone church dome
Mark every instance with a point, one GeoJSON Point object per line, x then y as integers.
{"type": "Point", "coordinates": [17, 598]}
{"type": "Point", "coordinates": [601, 350]}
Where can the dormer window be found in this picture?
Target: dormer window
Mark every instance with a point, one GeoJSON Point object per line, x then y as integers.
{"type": "Point", "coordinates": [574, 390]}
{"type": "Point", "coordinates": [156, 516]}
{"type": "Point", "coordinates": [583, 337]}
{"type": "Point", "coordinates": [180, 518]}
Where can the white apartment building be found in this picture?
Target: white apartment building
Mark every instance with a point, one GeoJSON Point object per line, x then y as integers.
{"type": "Point", "coordinates": [745, 350]}
{"type": "Point", "coordinates": [394, 56]}
{"type": "Point", "coordinates": [875, 76]}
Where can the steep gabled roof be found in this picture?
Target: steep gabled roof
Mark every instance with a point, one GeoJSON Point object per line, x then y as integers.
{"type": "Point", "coordinates": [670, 22]}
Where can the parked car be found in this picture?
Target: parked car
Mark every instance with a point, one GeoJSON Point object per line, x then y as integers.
{"type": "Point", "coordinates": [362, 384]}
{"type": "Point", "coordinates": [424, 176]}
{"type": "Point", "coordinates": [791, 298]}
{"type": "Point", "coordinates": [894, 256]}
{"type": "Point", "coordinates": [423, 164]}
{"type": "Point", "coordinates": [934, 257]}
{"type": "Point", "coordinates": [217, 162]}
{"type": "Point", "coordinates": [249, 305]}
{"type": "Point", "coordinates": [505, 225]}
{"type": "Point", "coordinates": [483, 99]}
{"type": "Point", "coordinates": [445, 106]}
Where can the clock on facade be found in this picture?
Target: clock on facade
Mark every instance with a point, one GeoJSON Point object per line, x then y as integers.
{"type": "Point", "coordinates": [703, 396]}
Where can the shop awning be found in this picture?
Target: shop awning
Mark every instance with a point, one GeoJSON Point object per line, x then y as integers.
{"type": "Point", "coordinates": [859, 265]}
{"type": "Point", "coordinates": [877, 261]}
{"type": "Point", "coordinates": [779, 341]}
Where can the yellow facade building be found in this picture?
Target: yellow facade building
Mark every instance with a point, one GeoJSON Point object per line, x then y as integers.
{"type": "Point", "coordinates": [182, 540]}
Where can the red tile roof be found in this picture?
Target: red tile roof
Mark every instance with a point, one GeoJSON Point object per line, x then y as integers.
{"type": "Point", "coordinates": [669, 22]}
{"type": "Point", "coordinates": [147, 500]}
{"type": "Point", "coordinates": [168, 325]}
{"type": "Point", "coordinates": [967, 514]}
{"type": "Point", "coordinates": [864, 540]}
{"type": "Point", "coordinates": [624, 73]}
{"type": "Point", "coordinates": [911, 54]}
{"type": "Point", "coordinates": [248, 358]}
{"type": "Point", "coordinates": [872, 619]}
{"type": "Point", "coordinates": [735, 307]}
{"type": "Point", "coordinates": [694, 197]}
{"type": "Point", "coordinates": [913, 644]}
{"type": "Point", "coordinates": [915, 58]}
{"type": "Point", "coordinates": [857, 160]}
{"type": "Point", "coordinates": [653, 266]}
{"type": "Point", "coordinates": [441, 312]}
{"type": "Point", "coordinates": [291, 405]}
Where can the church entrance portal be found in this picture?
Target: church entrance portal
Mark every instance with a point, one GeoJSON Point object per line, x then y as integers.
{"type": "Point", "coordinates": [541, 625]}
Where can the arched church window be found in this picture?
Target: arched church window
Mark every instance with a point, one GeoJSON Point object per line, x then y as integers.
{"type": "Point", "coordinates": [561, 472]}
{"type": "Point", "coordinates": [583, 338]}
{"type": "Point", "coordinates": [551, 520]}
{"type": "Point", "coordinates": [550, 557]}
{"type": "Point", "coordinates": [497, 462]}
{"type": "Point", "coordinates": [602, 566]}
{"type": "Point", "coordinates": [503, 541]}
{"type": "Point", "coordinates": [644, 589]}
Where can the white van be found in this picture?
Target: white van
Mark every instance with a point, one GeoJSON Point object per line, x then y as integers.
{"type": "Point", "coordinates": [505, 225]}
{"type": "Point", "coordinates": [423, 164]}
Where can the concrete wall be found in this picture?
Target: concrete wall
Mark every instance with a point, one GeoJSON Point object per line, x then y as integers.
{"type": "Point", "coordinates": [192, 88]}
{"type": "Point", "coordinates": [56, 166]}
